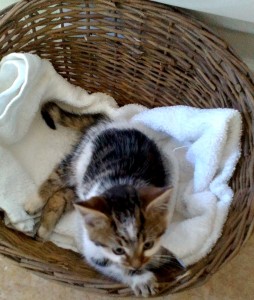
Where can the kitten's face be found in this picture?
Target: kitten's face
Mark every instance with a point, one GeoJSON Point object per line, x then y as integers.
{"type": "Point", "coordinates": [126, 224]}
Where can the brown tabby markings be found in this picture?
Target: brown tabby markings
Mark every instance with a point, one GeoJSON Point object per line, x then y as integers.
{"type": "Point", "coordinates": [150, 223]}
{"type": "Point", "coordinates": [51, 111]}
{"type": "Point", "coordinates": [121, 229]}
{"type": "Point", "coordinates": [52, 184]}
{"type": "Point", "coordinates": [57, 198]}
{"type": "Point", "coordinates": [57, 204]}
{"type": "Point", "coordinates": [54, 194]}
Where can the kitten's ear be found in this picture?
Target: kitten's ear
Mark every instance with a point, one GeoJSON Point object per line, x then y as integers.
{"type": "Point", "coordinates": [94, 212]}
{"type": "Point", "coordinates": [155, 199]}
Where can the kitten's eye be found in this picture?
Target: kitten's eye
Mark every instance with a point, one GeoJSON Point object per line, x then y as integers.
{"type": "Point", "coordinates": [119, 251]}
{"type": "Point", "coordinates": [148, 245]}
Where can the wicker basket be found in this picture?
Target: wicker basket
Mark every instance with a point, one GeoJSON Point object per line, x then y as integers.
{"type": "Point", "coordinates": [137, 51]}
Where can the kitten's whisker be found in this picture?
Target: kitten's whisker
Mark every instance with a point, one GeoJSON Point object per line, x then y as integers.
{"type": "Point", "coordinates": [165, 257]}
{"type": "Point", "coordinates": [161, 255]}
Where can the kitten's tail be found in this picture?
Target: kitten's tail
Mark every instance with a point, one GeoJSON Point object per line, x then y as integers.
{"type": "Point", "coordinates": [53, 114]}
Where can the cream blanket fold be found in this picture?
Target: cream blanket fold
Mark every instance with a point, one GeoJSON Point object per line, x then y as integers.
{"type": "Point", "coordinates": [206, 147]}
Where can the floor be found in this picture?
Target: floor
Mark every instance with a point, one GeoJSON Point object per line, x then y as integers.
{"type": "Point", "coordinates": [235, 281]}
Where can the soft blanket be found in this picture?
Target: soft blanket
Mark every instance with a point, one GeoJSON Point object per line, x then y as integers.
{"type": "Point", "coordinates": [206, 145]}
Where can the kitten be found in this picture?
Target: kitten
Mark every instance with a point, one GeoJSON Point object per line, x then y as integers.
{"type": "Point", "coordinates": [118, 181]}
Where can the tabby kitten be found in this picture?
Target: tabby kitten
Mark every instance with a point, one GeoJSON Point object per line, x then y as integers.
{"type": "Point", "coordinates": [117, 179]}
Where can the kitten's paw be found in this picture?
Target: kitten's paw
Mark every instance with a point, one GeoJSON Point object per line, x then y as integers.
{"type": "Point", "coordinates": [34, 204]}
{"type": "Point", "coordinates": [144, 285]}
{"type": "Point", "coordinates": [43, 233]}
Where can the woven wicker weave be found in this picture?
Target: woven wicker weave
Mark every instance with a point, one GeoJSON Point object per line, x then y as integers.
{"type": "Point", "coordinates": [137, 51]}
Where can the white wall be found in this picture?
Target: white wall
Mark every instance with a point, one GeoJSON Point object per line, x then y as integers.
{"type": "Point", "coordinates": [237, 9]}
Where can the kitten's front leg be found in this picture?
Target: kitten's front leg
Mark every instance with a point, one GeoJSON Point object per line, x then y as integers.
{"type": "Point", "coordinates": [144, 284]}
{"type": "Point", "coordinates": [54, 183]}
{"type": "Point", "coordinates": [60, 202]}
{"type": "Point", "coordinates": [55, 197]}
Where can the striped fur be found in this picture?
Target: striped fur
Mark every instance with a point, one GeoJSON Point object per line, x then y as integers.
{"type": "Point", "coordinates": [117, 180]}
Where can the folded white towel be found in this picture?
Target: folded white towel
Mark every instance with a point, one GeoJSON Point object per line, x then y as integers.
{"type": "Point", "coordinates": [208, 152]}
{"type": "Point", "coordinates": [212, 140]}
{"type": "Point", "coordinates": [28, 150]}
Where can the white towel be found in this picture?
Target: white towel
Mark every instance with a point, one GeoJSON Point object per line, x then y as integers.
{"type": "Point", "coordinates": [208, 152]}
{"type": "Point", "coordinates": [212, 140]}
{"type": "Point", "coordinates": [28, 150]}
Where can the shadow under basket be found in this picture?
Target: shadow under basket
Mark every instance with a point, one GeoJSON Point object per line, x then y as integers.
{"type": "Point", "coordinates": [138, 52]}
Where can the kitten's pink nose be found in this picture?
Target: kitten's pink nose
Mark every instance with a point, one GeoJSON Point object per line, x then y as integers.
{"type": "Point", "coordinates": [136, 263]}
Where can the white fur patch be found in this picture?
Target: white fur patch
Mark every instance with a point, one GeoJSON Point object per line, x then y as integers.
{"type": "Point", "coordinates": [131, 229]}
{"type": "Point", "coordinates": [81, 165]}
